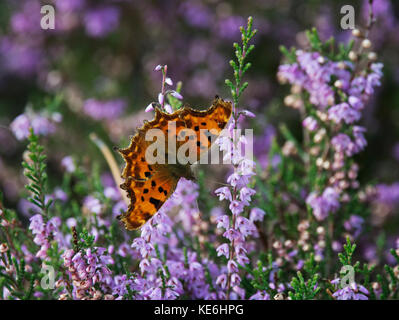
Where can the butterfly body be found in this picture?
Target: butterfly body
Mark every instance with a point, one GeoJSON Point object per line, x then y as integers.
{"type": "Point", "coordinates": [150, 184]}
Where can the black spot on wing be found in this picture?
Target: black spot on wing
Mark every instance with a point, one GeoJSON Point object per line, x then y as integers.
{"type": "Point", "coordinates": [156, 202]}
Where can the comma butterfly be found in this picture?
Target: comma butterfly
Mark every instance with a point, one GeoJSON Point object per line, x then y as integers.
{"type": "Point", "coordinates": [149, 185]}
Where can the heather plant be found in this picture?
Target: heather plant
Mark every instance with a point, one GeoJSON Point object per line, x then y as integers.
{"type": "Point", "coordinates": [291, 224]}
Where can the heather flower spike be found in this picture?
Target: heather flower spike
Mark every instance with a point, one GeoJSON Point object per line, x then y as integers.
{"type": "Point", "coordinates": [312, 216]}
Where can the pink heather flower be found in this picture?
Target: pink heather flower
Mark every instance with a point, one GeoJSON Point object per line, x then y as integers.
{"type": "Point", "coordinates": [235, 279]}
{"type": "Point", "coordinates": [322, 205]}
{"type": "Point", "coordinates": [92, 204]}
{"type": "Point", "coordinates": [223, 250]}
{"type": "Point", "coordinates": [248, 113]}
{"type": "Point", "coordinates": [223, 193]}
{"type": "Point", "coordinates": [20, 127]}
{"type": "Point", "coordinates": [68, 164]}
{"type": "Point", "coordinates": [234, 179]}
{"type": "Point", "coordinates": [168, 81]}
{"type": "Point", "coordinates": [350, 292]}
{"type": "Point", "coordinates": [355, 102]}
{"type": "Point", "coordinates": [241, 254]}
{"type": "Point", "coordinates": [236, 207]}
{"type": "Point", "coordinates": [176, 95]}
{"type": "Point", "coordinates": [158, 67]}
{"type": "Point", "coordinates": [245, 226]}
{"type": "Point", "coordinates": [260, 295]}
{"type": "Point", "coordinates": [41, 125]}
{"type": "Point", "coordinates": [168, 108]}
{"type": "Point", "coordinates": [256, 214]}
{"type": "Point", "coordinates": [343, 112]}
{"type": "Point", "coordinates": [246, 194]}
{"type": "Point", "coordinates": [341, 142]}
{"type": "Point", "coordinates": [149, 108]}
{"type": "Point", "coordinates": [161, 98]}
{"type": "Point", "coordinates": [223, 222]}
{"type": "Point", "coordinates": [360, 141]}
{"type": "Point", "coordinates": [310, 123]}
{"type": "Point", "coordinates": [232, 266]}
{"type": "Point", "coordinates": [232, 234]}
{"type": "Point", "coordinates": [222, 281]}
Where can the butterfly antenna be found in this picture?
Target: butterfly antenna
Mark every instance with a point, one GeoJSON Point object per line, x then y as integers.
{"type": "Point", "coordinates": [111, 163]}
{"type": "Point", "coordinates": [217, 182]}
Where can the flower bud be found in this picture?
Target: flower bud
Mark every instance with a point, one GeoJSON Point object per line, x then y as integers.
{"type": "Point", "coordinates": [289, 100]}
{"type": "Point", "coordinates": [318, 258]}
{"type": "Point", "coordinates": [341, 65]}
{"type": "Point", "coordinates": [276, 244]}
{"type": "Point", "coordinates": [320, 230]}
{"type": "Point", "coordinates": [319, 162]}
{"type": "Point", "coordinates": [288, 243]}
{"type": "Point", "coordinates": [322, 244]}
{"type": "Point", "coordinates": [295, 89]}
{"type": "Point", "coordinates": [372, 56]}
{"type": "Point", "coordinates": [338, 84]}
{"type": "Point", "coordinates": [366, 43]}
{"type": "Point", "coordinates": [279, 296]}
{"type": "Point", "coordinates": [326, 165]}
{"type": "Point", "coordinates": [356, 33]}
{"type": "Point", "coordinates": [352, 56]}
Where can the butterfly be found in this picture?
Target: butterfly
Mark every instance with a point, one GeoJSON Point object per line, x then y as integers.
{"type": "Point", "coordinates": [149, 185]}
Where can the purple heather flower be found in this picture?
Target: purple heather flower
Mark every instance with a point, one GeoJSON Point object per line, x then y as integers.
{"type": "Point", "coordinates": [232, 234]}
{"type": "Point", "coordinates": [196, 14]}
{"type": "Point", "coordinates": [260, 295]}
{"type": "Point", "coordinates": [101, 21]}
{"type": "Point", "coordinates": [104, 110]}
{"type": "Point", "coordinates": [68, 164]}
{"type": "Point", "coordinates": [149, 108]}
{"type": "Point", "coordinates": [343, 112]}
{"type": "Point", "coordinates": [70, 5]}
{"type": "Point", "coordinates": [256, 214]}
{"type": "Point", "coordinates": [92, 204]}
{"type": "Point", "coordinates": [310, 123]}
{"type": "Point", "coordinates": [223, 222]}
{"type": "Point", "coordinates": [388, 194]}
{"type": "Point", "coordinates": [223, 250]}
{"type": "Point", "coordinates": [356, 103]}
{"type": "Point", "coordinates": [341, 142]}
{"type": "Point", "coordinates": [236, 207]}
{"type": "Point", "coordinates": [60, 194]}
{"type": "Point", "coordinates": [354, 225]}
{"type": "Point", "coordinates": [324, 204]}
{"type": "Point", "coordinates": [351, 292]}
{"type": "Point", "coordinates": [20, 127]}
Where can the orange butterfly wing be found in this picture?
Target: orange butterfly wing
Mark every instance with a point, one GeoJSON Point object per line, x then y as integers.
{"type": "Point", "coordinates": [147, 197]}
{"type": "Point", "coordinates": [149, 186]}
{"type": "Point", "coordinates": [207, 124]}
